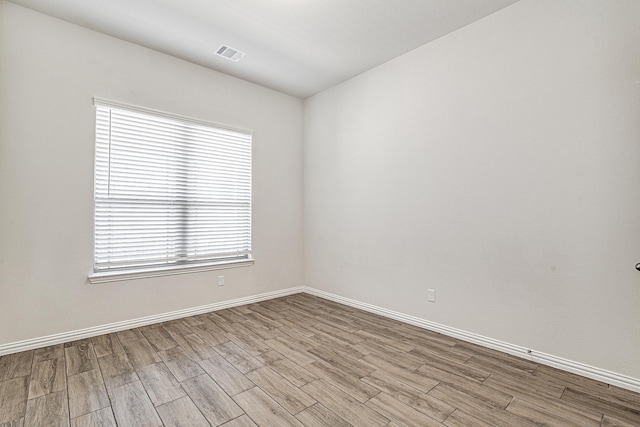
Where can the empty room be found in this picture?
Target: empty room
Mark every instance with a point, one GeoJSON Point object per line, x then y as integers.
{"type": "Point", "coordinates": [319, 213]}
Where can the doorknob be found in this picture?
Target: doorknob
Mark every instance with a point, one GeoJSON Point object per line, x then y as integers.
{"type": "Point", "coordinates": [638, 266]}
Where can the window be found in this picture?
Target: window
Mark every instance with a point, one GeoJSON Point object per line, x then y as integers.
{"type": "Point", "coordinates": [171, 194]}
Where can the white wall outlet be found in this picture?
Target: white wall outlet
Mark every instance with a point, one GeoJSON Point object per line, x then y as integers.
{"type": "Point", "coordinates": [220, 280]}
{"type": "Point", "coordinates": [431, 295]}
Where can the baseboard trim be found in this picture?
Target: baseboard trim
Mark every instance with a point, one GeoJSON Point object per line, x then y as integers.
{"type": "Point", "coordinates": [578, 368]}
{"type": "Point", "coordinates": [45, 341]}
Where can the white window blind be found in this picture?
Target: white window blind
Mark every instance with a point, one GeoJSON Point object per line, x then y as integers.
{"type": "Point", "coordinates": [169, 191]}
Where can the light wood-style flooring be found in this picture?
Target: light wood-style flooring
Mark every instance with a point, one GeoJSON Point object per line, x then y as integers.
{"type": "Point", "coordinates": [295, 361]}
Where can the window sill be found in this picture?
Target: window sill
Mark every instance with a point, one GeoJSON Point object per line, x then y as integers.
{"type": "Point", "coordinates": [116, 276]}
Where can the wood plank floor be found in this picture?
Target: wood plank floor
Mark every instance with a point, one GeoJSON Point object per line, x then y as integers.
{"type": "Point", "coordinates": [295, 361]}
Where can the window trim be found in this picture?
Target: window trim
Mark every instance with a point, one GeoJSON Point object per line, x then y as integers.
{"type": "Point", "coordinates": [97, 277]}
{"type": "Point", "coordinates": [139, 273]}
{"type": "Point", "coordinates": [115, 104]}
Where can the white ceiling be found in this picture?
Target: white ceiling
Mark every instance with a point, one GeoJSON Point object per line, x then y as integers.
{"type": "Point", "coordinates": [299, 47]}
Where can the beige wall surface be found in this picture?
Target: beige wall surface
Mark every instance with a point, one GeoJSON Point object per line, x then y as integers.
{"type": "Point", "coordinates": [50, 70]}
{"type": "Point", "coordinates": [498, 165]}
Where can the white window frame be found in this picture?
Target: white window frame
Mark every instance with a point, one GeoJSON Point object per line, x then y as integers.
{"type": "Point", "coordinates": [112, 274]}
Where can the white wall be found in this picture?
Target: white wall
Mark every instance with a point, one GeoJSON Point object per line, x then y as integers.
{"type": "Point", "coordinates": [498, 165]}
{"type": "Point", "coordinates": [50, 70]}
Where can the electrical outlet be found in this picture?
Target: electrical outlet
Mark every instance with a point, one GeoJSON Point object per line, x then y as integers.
{"type": "Point", "coordinates": [220, 280]}
{"type": "Point", "coordinates": [431, 295]}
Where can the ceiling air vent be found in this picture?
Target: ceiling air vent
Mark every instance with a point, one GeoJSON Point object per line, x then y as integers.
{"type": "Point", "coordinates": [230, 53]}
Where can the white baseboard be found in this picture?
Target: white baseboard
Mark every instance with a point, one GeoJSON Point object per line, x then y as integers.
{"type": "Point", "coordinates": [30, 344]}
{"type": "Point", "coordinates": [592, 372]}
{"type": "Point", "coordinates": [603, 375]}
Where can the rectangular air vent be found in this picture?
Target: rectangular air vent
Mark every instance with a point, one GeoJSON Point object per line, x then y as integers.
{"type": "Point", "coordinates": [230, 53]}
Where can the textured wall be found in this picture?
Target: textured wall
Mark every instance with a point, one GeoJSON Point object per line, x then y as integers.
{"type": "Point", "coordinates": [50, 72]}
{"type": "Point", "coordinates": [498, 165]}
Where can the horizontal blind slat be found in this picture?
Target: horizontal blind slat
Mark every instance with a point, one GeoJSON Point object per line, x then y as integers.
{"type": "Point", "coordinates": [169, 191]}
